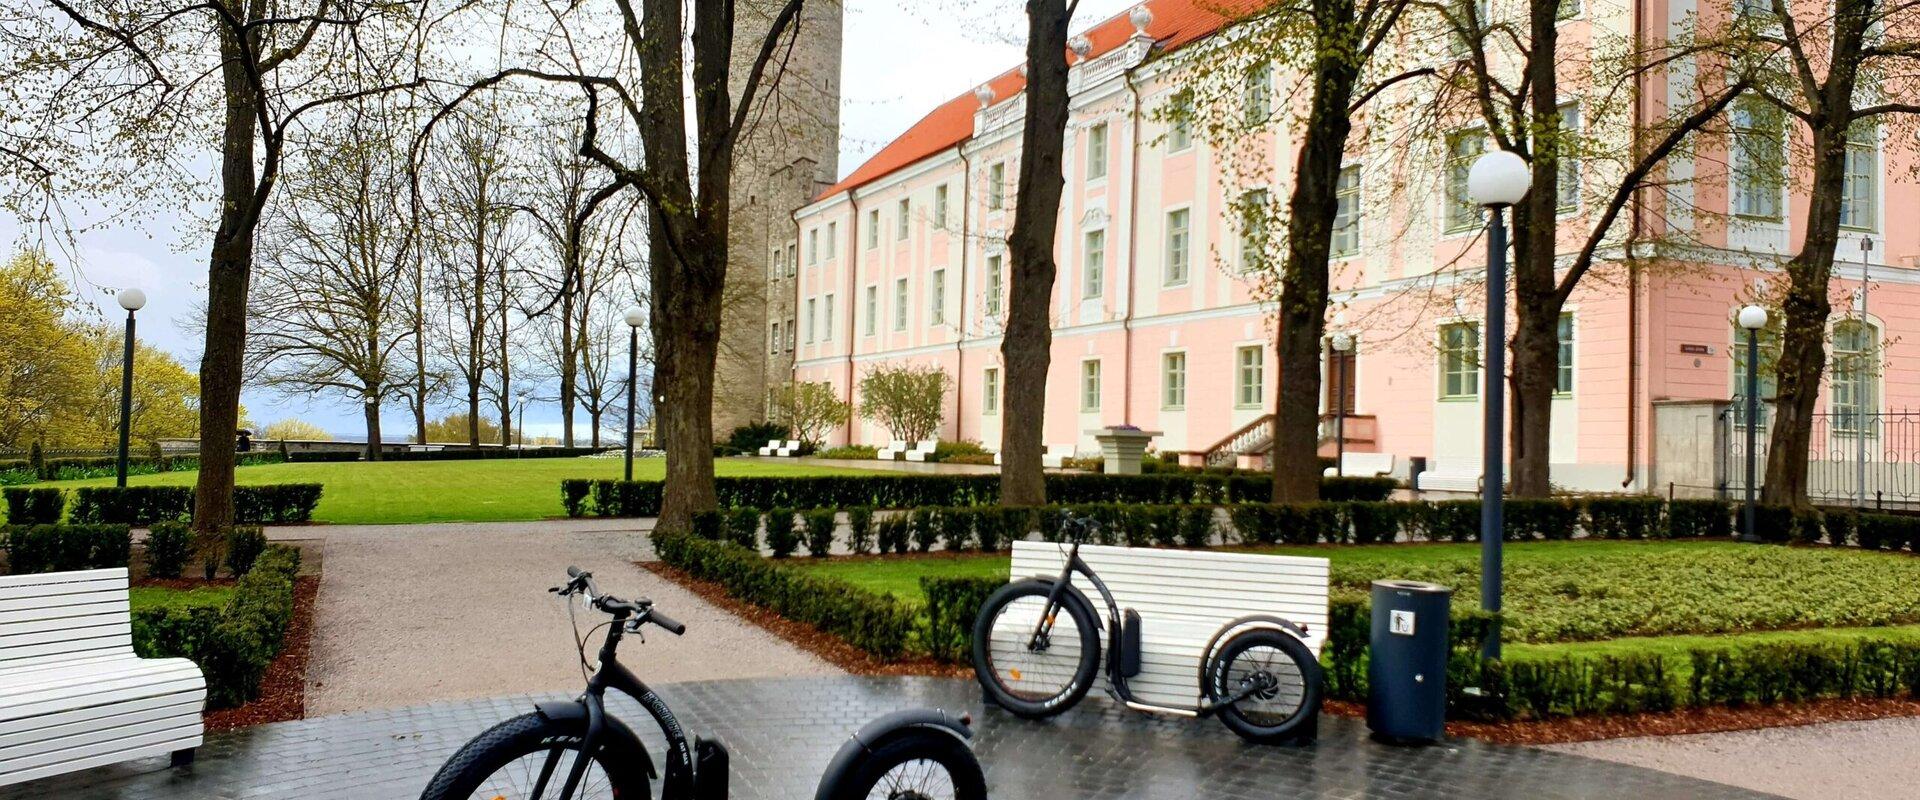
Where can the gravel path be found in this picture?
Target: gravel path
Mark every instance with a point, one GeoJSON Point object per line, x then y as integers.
{"type": "Point", "coordinates": [1854, 760]}
{"type": "Point", "coordinates": [411, 614]}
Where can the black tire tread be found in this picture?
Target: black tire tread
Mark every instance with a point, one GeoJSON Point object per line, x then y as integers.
{"type": "Point", "coordinates": [939, 746]}
{"type": "Point", "coordinates": [509, 738]}
{"type": "Point", "coordinates": [1309, 670]}
{"type": "Point", "coordinates": [1090, 646]}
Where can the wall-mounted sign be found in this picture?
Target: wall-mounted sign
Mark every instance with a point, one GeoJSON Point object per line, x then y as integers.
{"type": "Point", "coordinates": [1697, 349]}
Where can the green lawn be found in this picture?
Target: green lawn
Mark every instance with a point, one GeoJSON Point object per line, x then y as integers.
{"type": "Point", "coordinates": [452, 491]}
{"type": "Point", "coordinates": [158, 597]}
{"type": "Point", "coordinates": [1576, 591]}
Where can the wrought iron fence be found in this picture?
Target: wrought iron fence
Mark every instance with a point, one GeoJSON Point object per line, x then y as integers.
{"type": "Point", "coordinates": [1865, 459]}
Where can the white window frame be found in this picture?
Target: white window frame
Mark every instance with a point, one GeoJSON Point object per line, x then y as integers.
{"type": "Point", "coordinates": [827, 317]}
{"type": "Point", "coordinates": [812, 306]}
{"type": "Point", "coordinates": [1346, 216]}
{"type": "Point", "coordinates": [904, 224]}
{"type": "Point", "coordinates": [1459, 213]}
{"type": "Point", "coordinates": [940, 206]}
{"type": "Point", "coordinates": [1097, 152]}
{"type": "Point", "coordinates": [873, 309]}
{"type": "Point", "coordinates": [1177, 255]}
{"type": "Point", "coordinates": [900, 304]}
{"type": "Point", "coordinates": [1249, 375]}
{"type": "Point", "coordinates": [1173, 380]}
{"type": "Point", "coordinates": [1750, 198]}
{"type": "Point", "coordinates": [997, 186]}
{"type": "Point", "coordinates": [1254, 228]}
{"type": "Point", "coordinates": [990, 391]}
{"type": "Point", "coordinates": [996, 282]}
{"type": "Point", "coordinates": [1863, 138]}
{"type": "Point", "coordinates": [833, 235]}
{"type": "Point", "coordinates": [1468, 366]}
{"type": "Point", "coordinates": [1090, 396]}
{"type": "Point", "coordinates": [937, 298]}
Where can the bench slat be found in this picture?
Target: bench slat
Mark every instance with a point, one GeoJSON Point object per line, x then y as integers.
{"type": "Point", "coordinates": [180, 737]}
{"type": "Point", "coordinates": [104, 729]}
{"type": "Point", "coordinates": [23, 710]}
{"type": "Point", "coordinates": [49, 726]}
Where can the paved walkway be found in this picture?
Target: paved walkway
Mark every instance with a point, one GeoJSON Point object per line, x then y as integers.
{"type": "Point", "coordinates": [422, 613]}
{"type": "Point", "coordinates": [781, 733]}
{"type": "Point", "coordinates": [1815, 762]}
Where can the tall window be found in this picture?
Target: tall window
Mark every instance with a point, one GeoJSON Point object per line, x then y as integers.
{"type": "Point", "coordinates": [812, 304]}
{"type": "Point", "coordinates": [900, 304]}
{"type": "Point", "coordinates": [1460, 360]}
{"type": "Point", "coordinates": [990, 390]}
{"type": "Point", "coordinates": [1173, 381]}
{"type": "Point", "coordinates": [937, 298]}
{"type": "Point", "coordinates": [1094, 275]}
{"type": "Point", "coordinates": [997, 185]}
{"type": "Point", "coordinates": [792, 260]}
{"type": "Point", "coordinates": [994, 284]}
{"type": "Point", "coordinates": [1563, 374]}
{"type": "Point", "coordinates": [773, 341]}
{"type": "Point", "coordinates": [1253, 230]}
{"type": "Point", "coordinates": [1097, 152]}
{"type": "Point", "coordinates": [1257, 94]}
{"type": "Point", "coordinates": [1462, 148]}
{"type": "Point", "coordinates": [1180, 121]}
{"type": "Point", "coordinates": [1250, 376]}
{"type": "Point", "coordinates": [940, 206]}
{"type": "Point", "coordinates": [1346, 215]}
{"type": "Point", "coordinates": [777, 264]}
{"type": "Point", "coordinates": [1856, 395]}
{"type": "Point", "coordinates": [833, 235]}
{"type": "Point", "coordinates": [1759, 160]}
{"type": "Point", "coordinates": [1090, 386]}
{"type": "Point", "coordinates": [826, 316]}
{"type": "Point", "coordinates": [873, 228]}
{"type": "Point", "coordinates": [873, 308]}
{"type": "Point", "coordinates": [1769, 379]}
{"type": "Point", "coordinates": [1179, 237]}
{"type": "Point", "coordinates": [903, 221]}
{"type": "Point", "coordinates": [1860, 191]}
{"type": "Point", "coordinates": [813, 247]}
{"type": "Point", "coordinates": [793, 332]}
{"type": "Point", "coordinates": [1569, 152]}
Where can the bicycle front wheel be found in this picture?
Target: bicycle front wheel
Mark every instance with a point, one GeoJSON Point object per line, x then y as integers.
{"type": "Point", "coordinates": [1031, 678]}
{"type": "Point", "coordinates": [915, 765]}
{"type": "Point", "coordinates": [530, 756]}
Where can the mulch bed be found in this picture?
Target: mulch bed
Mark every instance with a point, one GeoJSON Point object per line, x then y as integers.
{"type": "Point", "coordinates": [283, 692]}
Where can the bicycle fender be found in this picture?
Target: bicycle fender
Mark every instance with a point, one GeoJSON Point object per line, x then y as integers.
{"type": "Point", "coordinates": [568, 710]}
{"type": "Point", "coordinates": [1264, 620]}
{"type": "Point", "coordinates": [877, 732]}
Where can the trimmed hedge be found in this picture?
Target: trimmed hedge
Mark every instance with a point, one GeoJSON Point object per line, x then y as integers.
{"type": "Point", "coordinates": [37, 506]}
{"type": "Point", "coordinates": [877, 623]}
{"type": "Point", "coordinates": [63, 469]}
{"type": "Point", "coordinates": [235, 644]}
{"type": "Point", "coordinates": [144, 505]}
{"type": "Point", "coordinates": [323, 457]}
{"type": "Point", "coordinates": [64, 548]}
{"type": "Point", "coordinates": [487, 454]}
{"type": "Point", "coordinates": [169, 547]}
{"type": "Point", "coordinates": [953, 604]}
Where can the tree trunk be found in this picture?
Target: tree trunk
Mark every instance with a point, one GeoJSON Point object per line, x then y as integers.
{"type": "Point", "coordinates": [1803, 355]}
{"type": "Point", "coordinates": [569, 365]}
{"type": "Point", "coordinates": [506, 363]}
{"type": "Point", "coordinates": [1027, 346]}
{"type": "Point", "coordinates": [594, 416]}
{"type": "Point", "coordinates": [419, 353]}
{"type": "Point", "coordinates": [372, 410]}
{"type": "Point", "coordinates": [686, 335]}
{"type": "Point", "coordinates": [1535, 350]}
{"type": "Point", "coordinates": [1303, 281]}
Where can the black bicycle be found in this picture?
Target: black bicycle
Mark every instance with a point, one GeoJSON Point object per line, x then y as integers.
{"type": "Point", "coordinates": [1036, 645]}
{"type": "Point", "coordinates": [575, 749]}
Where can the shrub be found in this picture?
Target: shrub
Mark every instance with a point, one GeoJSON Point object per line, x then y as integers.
{"type": "Point", "coordinates": [743, 528]}
{"type": "Point", "coordinates": [707, 525]}
{"type": "Point", "coordinates": [1841, 524]}
{"type": "Point", "coordinates": [64, 548]}
{"type": "Point", "coordinates": [863, 452]}
{"type": "Point", "coordinates": [132, 505]}
{"type": "Point", "coordinates": [892, 533]}
{"type": "Point", "coordinates": [1378, 521]}
{"type": "Point", "coordinates": [1196, 526]}
{"type": "Point", "coordinates": [1808, 525]}
{"type": "Point", "coordinates": [169, 545]}
{"type": "Point", "coordinates": [244, 545]}
{"type": "Point", "coordinates": [37, 506]}
{"type": "Point", "coordinates": [1357, 488]}
{"type": "Point", "coordinates": [751, 437]}
{"type": "Point", "coordinates": [924, 526]}
{"type": "Point", "coordinates": [1690, 519]}
{"type": "Point", "coordinates": [1255, 524]}
{"type": "Point", "coordinates": [860, 529]}
{"type": "Point", "coordinates": [782, 539]}
{"type": "Point", "coordinates": [820, 524]}
{"type": "Point", "coordinates": [953, 604]}
{"type": "Point", "coordinates": [329, 456]}
{"type": "Point", "coordinates": [956, 527]}
{"type": "Point", "coordinates": [573, 495]}
{"type": "Point", "coordinates": [1540, 518]}
{"type": "Point", "coordinates": [945, 451]}
{"type": "Point", "coordinates": [979, 459]}
{"type": "Point", "coordinates": [276, 503]}
{"type": "Point", "coordinates": [252, 628]}
{"type": "Point", "coordinates": [1451, 521]}
{"type": "Point", "coordinates": [874, 622]}
{"type": "Point", "coordinates": [1306, 523]}
{"type": "Point", "coordinates": [1623, 517]}
{"type": "Point", "coordinates": [1887, 531]}
{"type": "Point", "coordinates": [1001, 526]}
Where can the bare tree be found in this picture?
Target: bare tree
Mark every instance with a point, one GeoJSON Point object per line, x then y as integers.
{"type": "Point", "coordinates": [472, 209]}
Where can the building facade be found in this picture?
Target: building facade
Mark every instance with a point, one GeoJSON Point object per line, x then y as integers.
{"type": "Point", "coordinates": [1162, 308]}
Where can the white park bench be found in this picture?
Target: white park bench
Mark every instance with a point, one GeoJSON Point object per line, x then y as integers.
{"type": "Point", "coordinates": [1364, 465]}
{"type": "Point", "coordinates": [72, 694]}
{"type": "Point", "coordinates": [1184, 597]}
{"type": "Point", "coordinates": [922, 449]}
{"type": "Point", "coordinates": [1452, 475]}
{"type": "Point", "coordinates": [1056, 456]}
{"type": "Point", "coordinates": [894, 451]}
{"type": "Point", "coordinates": [773, 446]}
{"type": "Point", "coordinates": [789, 449]}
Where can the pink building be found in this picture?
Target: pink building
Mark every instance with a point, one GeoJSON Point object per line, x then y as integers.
{"type": "Point", "coordinates": [1161, 323]}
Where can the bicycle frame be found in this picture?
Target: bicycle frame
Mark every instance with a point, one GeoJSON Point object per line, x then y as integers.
{"type": "Point", "coordinates": [677, 783]}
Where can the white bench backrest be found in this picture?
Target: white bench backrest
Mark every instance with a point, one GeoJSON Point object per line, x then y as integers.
{"type": "Point", "coordinates": [1367, 463]}
{"type": "Point", "coordinates": [63, 616]}
{"type": "Point", "coordinates": [1184, 597]}
{"type": "Point", "coordinates": [1470, 467]}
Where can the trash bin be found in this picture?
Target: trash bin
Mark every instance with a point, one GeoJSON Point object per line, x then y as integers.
{"type": "Point", "coordinates": [1407, 663]}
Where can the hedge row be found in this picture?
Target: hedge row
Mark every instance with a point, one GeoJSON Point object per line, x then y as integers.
{"type": "Point", "coordinates": [64, 548]}
{"type": "Point", "coordinates": [145, 505]}
{"type": "Point", "coordinates": [65, 469]}
{"type": "Point", "coordinates": [609, 498]}
{"type": "Point", "coordinates": [33, 506]}
{"type": "Point", "coordinates": [874, 622]}
{"type": "Point", "coordinates": [233, 645]}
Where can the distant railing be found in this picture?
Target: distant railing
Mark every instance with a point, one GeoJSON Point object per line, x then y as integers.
{"type": "Point", "coordinates": [1863, 459]}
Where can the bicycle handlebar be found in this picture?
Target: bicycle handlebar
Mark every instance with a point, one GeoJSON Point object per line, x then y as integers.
{"type": "Point", "coordinates": [580, 580]}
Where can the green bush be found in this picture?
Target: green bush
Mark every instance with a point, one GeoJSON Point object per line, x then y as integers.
{"type": "Point", "coordinates": [1196, 526]}
{"type": "Point", "coordinates": [1888, 531]}
{"type": "Point", "coordinates": [169, 545]}
{"type": "Point", "coordinates": [707, 525]}
{"type": "Point", "coordinates": [743, 528]}
{"type": "Point", "coordinates": [953, 604]}
{"type": "Point", "coordinates": [1368, 488]}
{"type": "Point", "coordinates": [820, 523]}
{"type": "Point", "coordinates": [782, 539]}
{"type": "Point", "coordinates": [1692, 519]}
{"type": "Point", "coordinates": [145, 505]}
{"type": "Point", "coordinates": [874, 622]}
{"type": "Point", "coordinates": [324, 457]}
{"type": "Point", "coordinates": [923, 524]}
{"type": "Point", "coordinates": [14, 472]}
{"type": "Point", "coordinates": [1841, 525]}
{"type": "Point", "coordinates": [244, 546]}
{"type": "Point", "coordinates": [573, 495]}
{"type": "Point", "coordinates": [892, 533]}
{"type": "Point", "coordinates": [860, 530]}
{"type": "Point", "coordinates": [276, 503]}
{"type": "Point", "coordinates": [1624, 517]}
{"type": "Point", "coordinates": [748, 439]}
{"type": "Point", "coordinates": [1255, 523]}
{"type": "Point", "coordinates": [36, 506]}
{"type": "Point", "coordinates": [956, 527]}
{"type": "Point", "coordinates": [1540, 518]}
{"type": "Point", "coordinates": [252, 628]}
{"type": "Point", "coordinates": [862, 452]}
{"type": "Point", "coordinates": [65, 548]}
{"type": "Point", "coordinates": [1379, 521]}
{"type": "Point", "coordinates": [944, 450]}
{"type": "Point", "coordinates": [1450, 521]}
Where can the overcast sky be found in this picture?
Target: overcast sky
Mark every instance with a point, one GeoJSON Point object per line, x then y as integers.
{"type": "Point", "coordinates": [900, 60]}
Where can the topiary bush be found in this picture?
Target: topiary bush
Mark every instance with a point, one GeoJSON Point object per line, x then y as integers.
{"type": "Point", "coordinates": [34, 506]}
{"type": "Point", "coordinates": [875, 622]}
{"type": "Point", "coordinates": [782, 539]}
{"type": "Point", "coordinates": [860, 530]}
{"type": "Point", "coordinates": [1693, 519]}
{"type": "Point", "coordinates": [892, 532]}
{"type": "Point", "coordinates": [953, 604]}
{"type": "Point", "coordinates": [923, 524]}
{"type": "Point", "coordinates": [1196, 526]}
{"type": "Point", "coordinates": [820, 523]}
{"type": "Point", "coordinates": [244, 545]}
{"type": "Point", "coordinates": [708, 524]}
{"type": "Point", "coordinates": [169, 545]}
{"type": "Point", "coordinates": [65, 548]}
{"type": "Point", "coordinates": [743, 528]}
{"type": "Point", "coordinates": [1624, 517]}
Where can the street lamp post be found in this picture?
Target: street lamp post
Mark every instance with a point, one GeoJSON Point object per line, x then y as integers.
{"type": "Point", "coordinates": [1752, 318]}
{"type": "Point", "coordinates": [1496, 180]}
{"type": "Point", "coordinates": [635, 317]}
{"type": "Point", "coordinates": [131, 299]}
{"type": "Point", "coordinates": [1342, 344]}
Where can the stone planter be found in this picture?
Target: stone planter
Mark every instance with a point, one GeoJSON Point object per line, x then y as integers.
{"type": "Point", "coordinates": [1122, 448]}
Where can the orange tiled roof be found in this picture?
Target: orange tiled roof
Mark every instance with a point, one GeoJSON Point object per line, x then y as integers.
{"type": "Point", "coordinates": [1175, 23]}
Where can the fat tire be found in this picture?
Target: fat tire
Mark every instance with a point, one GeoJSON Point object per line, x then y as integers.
{"type": "Point", "coordinates": [913, 744]}
{"type": "Point", "coordinates": [1311, 692]}
{"type": "Point", "coordinates": [1083, 618]}
{"type": "Point", "coordinates": [531, 733]}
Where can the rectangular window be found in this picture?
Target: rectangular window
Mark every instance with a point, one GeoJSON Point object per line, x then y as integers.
{"type": "Point", "coordinates": [1093, 275]}
{"type": "Point", "coordinates": [1179, 237]}
{"type": "Point", "coordinates": [900, 304]}
{"type": "Point", "coordinates": [1180, 121]}
{"type": "Point", "coordinates": [833, 235]}
{"type": "Point", "coordinates": [1855, 393]}
{"type": "Point", "coordinates": [937, 298]}
{"type": "Point", "coordinates": [1257, 94]}
{"type": "Point", "coordinates": [903, 221]}
{"type": "Point", "coordinates": [940, 206]}
{"type": "Point", "coordinates": [1563, 376]}
{"type": "Point", "coordinates": [793, 259]}
{"type": "Point", "coordinates": [873, 228]}
{"type": "Point", "coordinates": [1097, 152]}
{"type": "Point", "coordinates": [1173, 381]}
{"type": "Point", "coordinates": [813, 247]}
{"type": "Point", "coordinates": [1567, 9]}
{"type": "Point", "coordinates": [793, 331]}
{"type": "Point", "coordinates": [1759, 160]}
{"type": "Point", "coordinates": [990, 391]}
{"type": "Point", "coordinates": [1462, 148]}
{"type": "Point", "coordinates": [1346, 215]}
{"type": "Point", "coordinates": [873, 308]}
{"type": "Point", "coordinates": [1860, 191]}
{"type": "Point", "coordinates": [1090, 386]}
{"type": "Point", "coordinates": [997, 186]}
{"type": "Point", "coordinates": [811, 319]}
{"type": "Point", "coordinates": [1460, 360]}
{"type": "Point", "coordinates": [1569, 152]}
{"type": "Point", "coordinates": [994, 287]}
{"type": "Point", "coordinates": [826, 333]}
{"type": "Point", "coordinates": [1250, 376]}
{"type": "Point", "coordinates": [773, 341]}
{"type": "Point", "coordinates": [1253, 230]}
{"type": "Point", "coordinates": [776, 264]}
